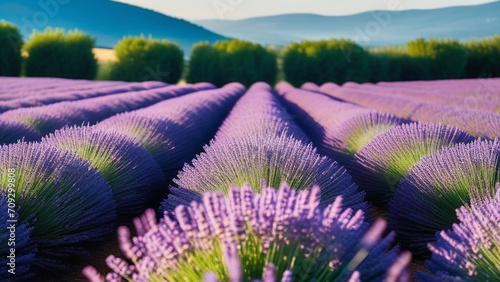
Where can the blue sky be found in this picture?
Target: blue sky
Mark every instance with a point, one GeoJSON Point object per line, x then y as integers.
{"type": "Point", "coordinates": [238, 9]}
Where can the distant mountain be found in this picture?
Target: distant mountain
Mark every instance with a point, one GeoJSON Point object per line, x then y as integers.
{"type": "Point", "coordinates": [105, 20]}
{"type": "Point", "coordinates": [370, 28]}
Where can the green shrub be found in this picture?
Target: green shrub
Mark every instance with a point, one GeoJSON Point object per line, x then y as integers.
{"type": "Point", "coordinates": [483, 58]}
{"type": "Point", "coordinates": [204, 65]}
{"type": "Point", "coordinates": [144, 59]}
{"type": "Point", "coordinates": [323, 61]}
{"type": "Point", "coordinates": [230, 61]}
{"type": "Point", "coordinates": [393, 63]}
{"type": "Point", "coordinates": [10, 50]}
{"type": "Point", "coordinates": [56, 54]}
{"type": "Point", "coordinates": [443, 58]}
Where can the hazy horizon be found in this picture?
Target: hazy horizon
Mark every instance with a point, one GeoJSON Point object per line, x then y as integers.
{"type": "Point", "coordinates": [241, 9]}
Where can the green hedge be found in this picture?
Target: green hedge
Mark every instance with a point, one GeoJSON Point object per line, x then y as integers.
{"type": "Point", "coordinates": [395, 64]}
{"type": "Point", "coordinates": [144, 59]}
{"type": "Point", "coordinates": [322, 61]}
{"type": "Point", "coordinates": [56, 54]}
{"type": "Point", "coordinates": [229, 61]}
{"type": "Point", "coordinates": [442, 58]}
{"type": "Point", "coordinates": [10, 50]}
{"type": "Point", "coordinates": [483, 57]}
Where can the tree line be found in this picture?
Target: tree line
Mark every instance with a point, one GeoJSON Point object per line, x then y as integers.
{"type": "Point", "coordinates": [56, 53]}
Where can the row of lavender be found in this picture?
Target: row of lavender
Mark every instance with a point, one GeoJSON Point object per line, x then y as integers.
{"type": "Point", "coordinates": [313, 228]}
{"type": "Point", "coordinates": [425, 177]}
{"type": "Point", "coordinates": [32, 123]}
{"type": "Point", "coordinates": [256, 231]}
{"type": "Point", "coordinates": [471, 105]}
{"type": "Point", "coordinates": [73, 187]}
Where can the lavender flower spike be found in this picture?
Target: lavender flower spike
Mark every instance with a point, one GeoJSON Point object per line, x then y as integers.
{"type": "Point", "coordinates": [470, 251]}
{"type": "Point", "coordinates": [279, 235]}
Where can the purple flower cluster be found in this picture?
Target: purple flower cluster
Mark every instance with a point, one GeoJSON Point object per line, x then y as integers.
{"type": "Point", "coordinates": [339, 129]}
{"type": "Point", "coordinates": [310, 86]}
{"type": "Point", "coordinates": [175, 130]}
{"type": "Point", "coordinates": [380, 165]}
{"type": "Point", "coordinates": [47, 119]}
{"type": "Point", "coordinates": [133, 174]}
{"type": "Point", "coordinates": [472, 94]}
{"type": "Point", "coordinates": [259, 113]}
{"type": "Point", "coordinates": [259, 140]}
{"type": "Point", "coordinates": [12, 88]}
{"type": "Point", "coordinates": [427, 197]}
{"type": "Point", "coordinates": [60, 199]}
{"type": "Point", "coordinates": [480, 121]}
{"type": "Point", "coordinates": [470, 251]}
{"type": "Point", "coordinates": [278, 235]}
{"type": "Point", "coordinates": [13, 131]}
{"type": "Point", "coordinates": [59, 94]}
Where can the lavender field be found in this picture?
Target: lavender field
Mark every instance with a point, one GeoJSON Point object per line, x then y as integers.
{"type": "Point", "coordinates": [392, 181]}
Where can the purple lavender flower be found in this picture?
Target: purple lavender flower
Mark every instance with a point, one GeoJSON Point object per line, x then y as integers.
{"type": "Point", "coordinates": [12, 131]}
{"type": "Point", "coordinates": [279, 235]}
{"type": "Point", "coordinates": [380, 165]}
{"type": "Point", "coordinates": [427, 197]}
{"type": "Point", "coordinates": [310, 86]}
{"type": "Point", "coordinates": [259, 140]}
{"type": "Point", "coordinates": [26, 99]}
{"type": "Point", "coordinates": [328, 86]}
{"type": "Point", "coordinates": [63, 202]}
{"type": "Point", "coordinates": [339, 129]}
{"type": "Point", "coordinates": [470, 250]}
{"type": "Point", "coordinates": [130, 170]}
{"type": "Point", "coordinates": [475, 122]}
{"type": "Point", "coordinates": [259, 112]}
{"type": "Point", "coordinates": [173, 131]}
{"type": "Point", "coordinates": [47, 119]}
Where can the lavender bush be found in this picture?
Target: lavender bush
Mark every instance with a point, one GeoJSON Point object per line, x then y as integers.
{"type": "Point", "coordinates": [134, 176]}
{"type": "Point", "coordinates": [276, 235]}
{"type": "Point", "coordinates": [470, 251]}
{"type": "Point", "coordinates": [258, 140]}
{"type": "Point", "coordinates": [427, 197]}
{"type": "Point", "coordinates": [380, 165]}
{"type": "Point", "coordinates": [173, 131]}
{"type": "Point", "coordinates": [60, 198]}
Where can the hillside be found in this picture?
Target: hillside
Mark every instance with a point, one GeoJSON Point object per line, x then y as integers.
{"type": "Point", "coordinates": [460, 22]}
{"type": "Point", "coordinates": [105, 20]}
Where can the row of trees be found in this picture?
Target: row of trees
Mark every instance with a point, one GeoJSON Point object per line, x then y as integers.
{"type": "Point", "coordinates": [343, 60]}
{"type": "Point", "coordinates": [58, 54]}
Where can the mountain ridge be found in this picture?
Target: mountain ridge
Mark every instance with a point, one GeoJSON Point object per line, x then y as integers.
{"type": "Point", "coordinates": [107, 21]}
{"type": "Point", "coordinates": [462, 22]}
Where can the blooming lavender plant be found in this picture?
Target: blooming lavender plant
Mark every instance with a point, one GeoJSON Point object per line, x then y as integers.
{"type": "Point", "coordinates": [60, 94]}
{"type": "Point", "coordinates": [47, 119]}
{"type": "Point", "coordinates": [276, 159]}
{"type": "Point", "coordinates": [277, 235]}
{"type": "Point", "coordinates": [130, 170]}
{"type": "Point", "coordinates": [470, 251]}
{"type": "Point", "coordinates": [383, 162]}
{"type": "Point", "coordinates": [173, 131]}
{"type": "Point", "coordinates": [310, 86]}
{"type": "Point", "coordinates": [259, 112]}
{"type": "Point", "coordinates": [60, 198]}
{"type": "Point", "coordinates": [427, 197]}
{"type": "Point", "coordinates": [339, 129]}
{"type": "Point", "coordinates": [12, 131]}
{"type": "Point", "coordinates": [259, 140]}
